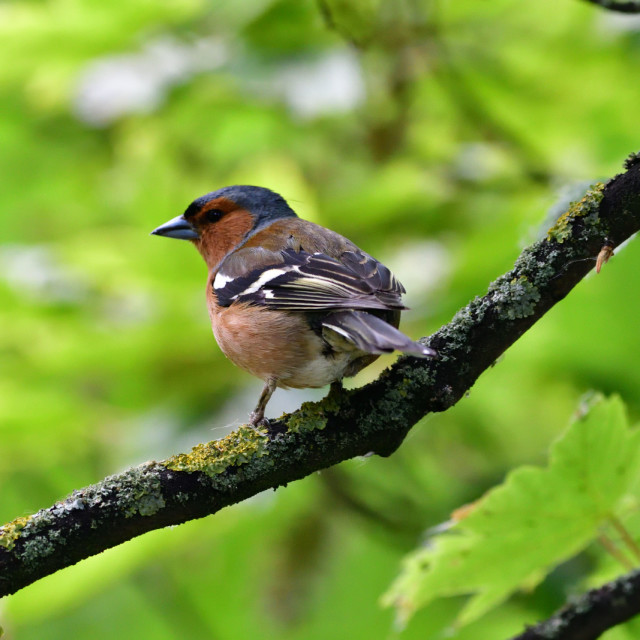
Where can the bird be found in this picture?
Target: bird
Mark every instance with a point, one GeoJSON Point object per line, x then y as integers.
{"type": "Point", "coordinates": [291, 302]}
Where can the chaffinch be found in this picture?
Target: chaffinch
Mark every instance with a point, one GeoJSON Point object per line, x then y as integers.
{"type": "Point", "coordinates": [291, 302]}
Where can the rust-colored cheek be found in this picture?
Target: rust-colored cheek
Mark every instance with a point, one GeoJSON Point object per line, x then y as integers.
{"type": "Point", "coordinates": [219, 239]}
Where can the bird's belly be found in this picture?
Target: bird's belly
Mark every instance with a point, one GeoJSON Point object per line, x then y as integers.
{"type": "Point", "coordinates": [277, 346]}
{"type": "Point", "coordinates": [318, 372]}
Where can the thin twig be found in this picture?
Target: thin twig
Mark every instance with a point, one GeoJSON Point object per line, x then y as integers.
{"type": "Point", "coordinates": [629, 6]}
{"type": "Point", "coordinates": [589, 616]}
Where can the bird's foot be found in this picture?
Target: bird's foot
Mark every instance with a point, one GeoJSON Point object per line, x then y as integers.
{"type": "Point", "coordinates": [257, 421]}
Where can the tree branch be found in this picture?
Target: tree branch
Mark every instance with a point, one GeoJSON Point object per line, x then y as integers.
{"type": "Point", "coordinates": [630, 6]}
{"type": "Point", "coordinates": [589, 616]}
{"type": "Point", "coordinates": [374, 418]}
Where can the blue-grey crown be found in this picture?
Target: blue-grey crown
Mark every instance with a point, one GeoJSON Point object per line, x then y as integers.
{"type": "Point", "coordinates": [266, 205]}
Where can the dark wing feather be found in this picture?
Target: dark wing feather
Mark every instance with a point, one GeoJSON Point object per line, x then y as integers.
{"type": "Point", "coordinates": [301, 281]}
{"type": "Point", "coordinates": [373, 335]}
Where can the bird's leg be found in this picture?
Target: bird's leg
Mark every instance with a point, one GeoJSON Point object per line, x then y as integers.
{"type": "Point", "coordinates": [256, 418]}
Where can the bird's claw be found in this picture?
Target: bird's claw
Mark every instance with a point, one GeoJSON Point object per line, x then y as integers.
{"type": "Point", "coordinates": [257, 421]}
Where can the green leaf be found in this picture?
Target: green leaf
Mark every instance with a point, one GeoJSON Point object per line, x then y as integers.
{"type": "Point", "coordinates": [515, 534]}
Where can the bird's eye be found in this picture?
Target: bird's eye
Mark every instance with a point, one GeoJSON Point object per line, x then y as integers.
{"type": "Point", "coordinates": [213, 215]}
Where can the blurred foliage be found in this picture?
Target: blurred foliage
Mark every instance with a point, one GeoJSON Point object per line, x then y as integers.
{"type": "Point", "coordinates": [514, 535]}
{"type": "Point", "coordinates": [436, 135]}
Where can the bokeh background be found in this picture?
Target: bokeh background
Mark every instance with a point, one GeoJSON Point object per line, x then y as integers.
{"type": "Point", "coordinates": [438, 135]}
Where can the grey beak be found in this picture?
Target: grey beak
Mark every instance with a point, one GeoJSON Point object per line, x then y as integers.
{"type": "Point", "coordinates": [177, 228]}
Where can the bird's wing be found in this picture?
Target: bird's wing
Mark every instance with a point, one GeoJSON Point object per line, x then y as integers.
{"type": "Point", "coordinates": [300, 281]}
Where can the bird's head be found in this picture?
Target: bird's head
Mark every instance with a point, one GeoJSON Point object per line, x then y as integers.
{"type": "Point", "coordinates": [221, 220]}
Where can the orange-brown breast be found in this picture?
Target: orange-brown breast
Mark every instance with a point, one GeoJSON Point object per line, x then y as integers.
{"type": "Point", "coordinates": [266, 343]}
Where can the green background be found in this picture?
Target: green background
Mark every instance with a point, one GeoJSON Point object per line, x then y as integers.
{"type": "Point", "coordinates": [436, 135]}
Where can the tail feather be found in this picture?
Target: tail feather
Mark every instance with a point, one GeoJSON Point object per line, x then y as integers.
{"type": "Point", "coordinates": [373, 335]}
